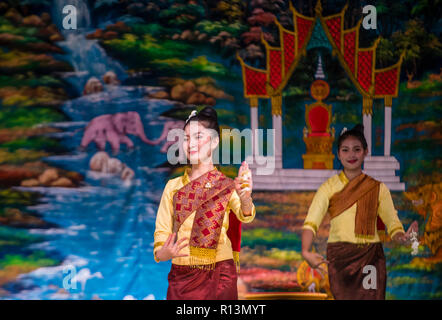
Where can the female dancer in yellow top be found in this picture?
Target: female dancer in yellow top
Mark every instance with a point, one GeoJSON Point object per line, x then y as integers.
{"type": "Point", "coordinates": [355, 203]}
{"type": "Point", "coordinates": [203, 211]}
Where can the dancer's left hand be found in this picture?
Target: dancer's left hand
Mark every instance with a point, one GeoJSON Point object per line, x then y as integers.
{"type": "Point", "coordinates": [404, 238]}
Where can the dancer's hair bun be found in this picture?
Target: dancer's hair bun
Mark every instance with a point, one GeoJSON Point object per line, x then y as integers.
{"type": "Point", "coordinates": [208, 117]}
{"type": "Point", "coordinates": [209, 112]}
{"type": "Point", "coordinates": [359, 128]}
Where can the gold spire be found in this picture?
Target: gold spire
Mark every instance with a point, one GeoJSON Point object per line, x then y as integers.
{"type": "Point", "coordinates": [318, 8]}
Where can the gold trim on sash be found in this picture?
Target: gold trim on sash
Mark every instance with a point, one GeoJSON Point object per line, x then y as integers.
{"type": "Point", "coordinates": [202, 258]}
{"type": "Point", "coordinates": [236, 260]}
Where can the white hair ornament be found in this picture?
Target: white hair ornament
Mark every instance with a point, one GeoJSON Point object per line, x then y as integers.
{"type": "Point", "coordinates": [343, 131]}
{"type": "Point", "coordinates": [192, 114]}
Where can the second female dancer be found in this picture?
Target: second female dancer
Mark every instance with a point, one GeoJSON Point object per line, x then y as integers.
{"type": "Point", "coordinates": [199, 218]}
{"type": "Point", "coordinates": [359, 207]}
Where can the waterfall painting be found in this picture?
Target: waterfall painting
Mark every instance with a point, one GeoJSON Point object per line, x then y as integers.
{"type": "Point", "coordinates": [91, 89]}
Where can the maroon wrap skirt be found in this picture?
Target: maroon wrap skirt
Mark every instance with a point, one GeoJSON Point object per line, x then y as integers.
{"type": "Point", "coordinates": [187, 283]}
{"type": "Point", "coordinates": [346, 271]}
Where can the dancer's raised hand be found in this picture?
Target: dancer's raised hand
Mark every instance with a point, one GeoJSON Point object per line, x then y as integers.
{"type": "Point", "coordinates": [243, 182]}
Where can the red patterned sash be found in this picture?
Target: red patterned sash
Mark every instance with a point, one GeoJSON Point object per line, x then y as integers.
{"type": "Point", "coordinates": [208, 195]}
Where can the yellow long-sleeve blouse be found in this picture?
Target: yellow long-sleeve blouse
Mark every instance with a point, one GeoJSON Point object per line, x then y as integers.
{"type": "Point", "coordinates": [164, 222]}
{"type": "Point", "coordinates": [342, 227]}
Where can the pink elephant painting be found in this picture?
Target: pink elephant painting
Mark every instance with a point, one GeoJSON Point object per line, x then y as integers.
{"type": "Point", "coordinates": [114, 128]}
{"type": "Point", "coordinates": [169, 125]}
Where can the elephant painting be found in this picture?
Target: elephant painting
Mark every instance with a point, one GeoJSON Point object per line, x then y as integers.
{"type": "Point", "coordinates": [101, 162]}
{"type": "Point", "coordinates": [169, 125]}
{"type": "Point", "coordinates": [113, 128]}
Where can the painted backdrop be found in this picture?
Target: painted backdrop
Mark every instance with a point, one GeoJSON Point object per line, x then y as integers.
{"type": "Point", "coordinates": [85, 112]}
